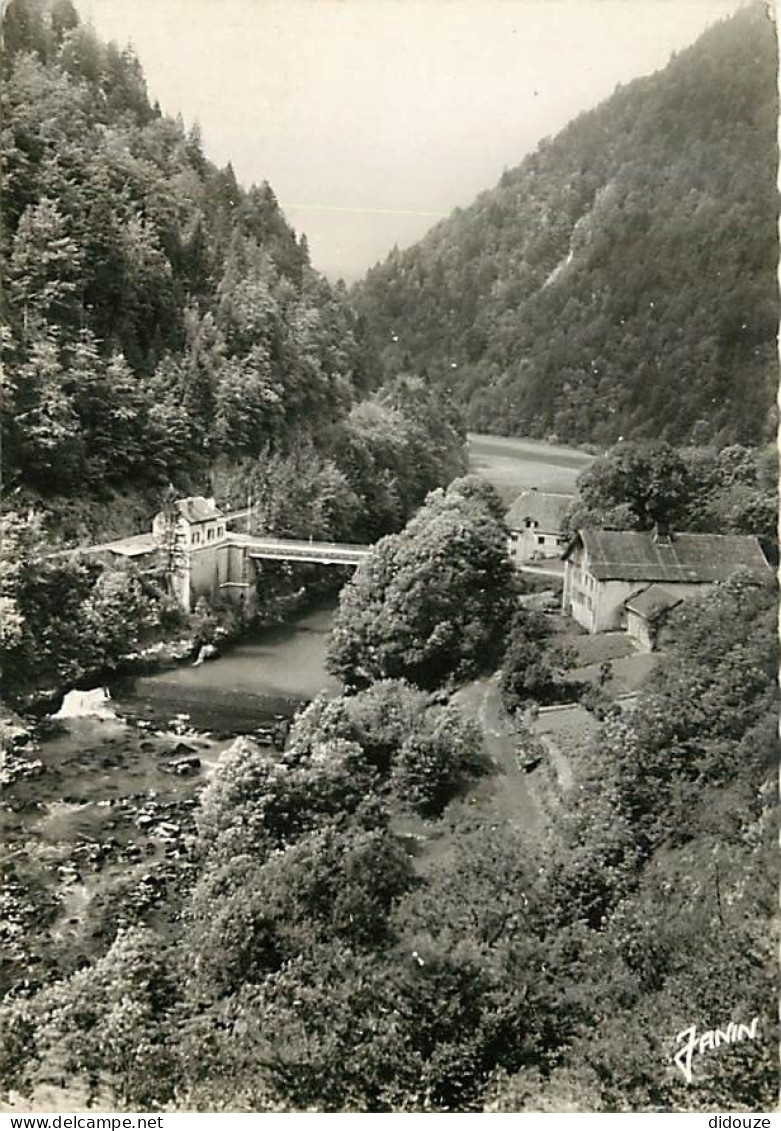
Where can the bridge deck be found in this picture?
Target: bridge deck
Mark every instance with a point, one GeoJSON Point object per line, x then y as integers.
{"type": "Point", "coordinates": [292, 549]}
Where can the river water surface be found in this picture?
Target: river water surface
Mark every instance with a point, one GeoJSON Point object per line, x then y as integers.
{"type": "Point", "coordinates": [265, 676]}
{"type": "Point", "coordinates": [272, 673]}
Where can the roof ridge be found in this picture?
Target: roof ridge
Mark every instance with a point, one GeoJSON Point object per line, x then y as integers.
{"type": "Point", "coordinates": [538, 491]}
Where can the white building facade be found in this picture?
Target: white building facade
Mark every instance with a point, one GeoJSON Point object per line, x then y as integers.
{"type": "Point", "coordinates": [604, 569]}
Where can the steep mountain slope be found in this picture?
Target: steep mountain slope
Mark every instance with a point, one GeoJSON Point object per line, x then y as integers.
{"type": "Point", "coordinates": [621, 280]}
{"type": "Point", "coordinates": [129, 266]}
{"type": "Point", "coordinates": [162, 325]}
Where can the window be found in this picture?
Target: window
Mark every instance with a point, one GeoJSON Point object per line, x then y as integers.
{"type": "Point", "coordinates": [210, 534]}
{"type": "Point", "coordinates": [220, 531]}
{"type": "Point", "coordinates": [540, 539]}
{"type": "Point", "coordinates": [196, 536]}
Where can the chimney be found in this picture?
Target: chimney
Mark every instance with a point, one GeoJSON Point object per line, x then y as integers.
{"type": "Point", "coordinates": [662, 535]}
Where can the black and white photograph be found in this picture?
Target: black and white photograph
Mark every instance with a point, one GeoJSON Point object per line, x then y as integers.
{"type": "Point", "coordinates": [389, 535]}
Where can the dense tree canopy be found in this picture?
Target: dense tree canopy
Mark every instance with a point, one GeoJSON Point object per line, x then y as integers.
{"type": "Point", "coordinates": [62, 617]}
{"type": "Point", "coordinates": [349, 934]}
{"type": "Point", "coordinates": [636, 485]}
{"type": "Point", "coordinates": [163, 332]}
{"type": "Point", "coordinates": [433, 601]}
{"type": "Point", "coordinates": [621, 281]}
{"type": "Point", "coordinates": [158, 313]}
{"type": "Point", "coordinates": [164, 325]}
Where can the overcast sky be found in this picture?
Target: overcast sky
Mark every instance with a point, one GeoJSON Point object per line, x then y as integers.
{"type": "Point", "coordinates": [372, 118]}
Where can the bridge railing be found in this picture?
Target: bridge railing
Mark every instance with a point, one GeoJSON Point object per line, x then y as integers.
{"type": "Point", "coordinates": [312, 552]}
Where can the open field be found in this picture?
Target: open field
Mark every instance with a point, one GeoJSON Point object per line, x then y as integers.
{"type": "Point", "coordinates": [596, 649]}
{"type": "Point", "coordinates": [629, 674]}
{"type": "Point", "coordinates": [630, 668]}
{"type": "Point", "coordinates": [513, 464]}
{"type": "Point", "coordinates": [569, 730]}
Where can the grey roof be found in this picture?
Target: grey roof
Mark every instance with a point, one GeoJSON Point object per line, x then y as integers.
{"type": "Point", "coordinates": [628, 555]}
{"type": "Point", "coordinates": [198, 509]}
{"type": "Point", "coordinates": [545, 508]}
{"type": "Point", "coordinates": [135, 546]}
{"type": "Point", "coordinates": [651, 602]}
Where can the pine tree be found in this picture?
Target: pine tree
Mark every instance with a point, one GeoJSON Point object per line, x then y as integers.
{"type": "Point", "coordinates": [44, 272]}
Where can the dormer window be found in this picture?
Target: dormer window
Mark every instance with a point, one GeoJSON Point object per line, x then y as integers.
{"type": "Point", "coordinates": [662, 535]}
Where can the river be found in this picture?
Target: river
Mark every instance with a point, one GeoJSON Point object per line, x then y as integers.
{"type": "Point", "coordinates": [254, 682]}
{"type": "Point", "coordinates": [274, 672]}
{"type": "Point", "coordinates": [107, 751]}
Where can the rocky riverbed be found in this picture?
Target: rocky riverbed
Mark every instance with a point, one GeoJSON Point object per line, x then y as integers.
{"type": "Point", "coordinates": [97, 828]}
{"type": "Point", "coordinates": [98, 802]}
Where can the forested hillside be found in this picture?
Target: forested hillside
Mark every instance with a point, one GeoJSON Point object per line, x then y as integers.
{"type": "Point", "coordinates": [162, 324]}
{"type": "Point", "coordinates": [621, 280]}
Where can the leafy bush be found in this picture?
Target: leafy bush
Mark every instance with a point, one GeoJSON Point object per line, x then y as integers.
{"type": "Point", "coordinates": [532, 668]}
{"type": "Point", "coordinates": [434, 763]}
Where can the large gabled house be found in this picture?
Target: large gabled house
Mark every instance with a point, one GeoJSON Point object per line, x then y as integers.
{"type": "Point", "coordinates": [196, 522]}
{"type": "Point", "coordinates": [534, 522]}
{"type": "Point", "coordinates": [607, 571]}
{"type": "Point", "coordinates": [193, 535]}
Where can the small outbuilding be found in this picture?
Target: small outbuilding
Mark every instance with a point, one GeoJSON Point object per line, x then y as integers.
{"type": "Point", "coordinates": [646, 611]}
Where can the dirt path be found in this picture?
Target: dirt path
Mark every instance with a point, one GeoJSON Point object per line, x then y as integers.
{"type": "Point", "coordinates": [560, 763]}
{"type": "Point", "coordinates": [509, 792]}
